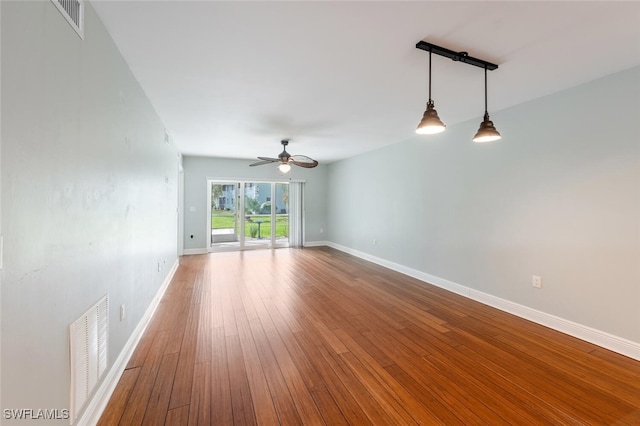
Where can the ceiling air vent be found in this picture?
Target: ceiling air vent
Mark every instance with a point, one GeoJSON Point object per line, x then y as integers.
{"type": "Point", "coordinates": [73, 12]}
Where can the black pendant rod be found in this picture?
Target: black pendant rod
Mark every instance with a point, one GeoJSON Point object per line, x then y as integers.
{"type": "Point", "coordinates": [429, 76]}
{"type": "Point", "coordinates": [485, 90]}
{"type": "Point", "coordinates": [455, 56]}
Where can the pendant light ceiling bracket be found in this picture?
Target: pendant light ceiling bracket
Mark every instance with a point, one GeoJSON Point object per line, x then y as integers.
{"type": "Point", "coordinates": [455, 56]}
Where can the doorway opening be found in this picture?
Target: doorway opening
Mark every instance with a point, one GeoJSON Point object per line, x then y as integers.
{"type": "Point", "coordinates": [248, 215]}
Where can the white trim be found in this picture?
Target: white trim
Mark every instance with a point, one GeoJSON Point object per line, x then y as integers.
{"type": "Point", "coordinates": [208, 236]}
{"type": "Point", "coordinates": [99, 401]}
{"type": "Point", "coordinates": [180, 208]}
{"type": "Point", "coordinates": [272, 216]}
{"type": "Point", "coordinates": [597, 337]}
{"type": "Point", "coordinates": [241, 196]}
{"type": "Point", "coordinates": [188, 252]}
{"type": "Point", "coordinates": [315, 243]}
{"type": "Point", "coordinates": [254, 180]}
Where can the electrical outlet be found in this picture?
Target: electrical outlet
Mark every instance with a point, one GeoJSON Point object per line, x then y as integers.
{"type": "Point", "coordinates": [122, 312]}
{"type": "Point", "coordinates": [536, 281]}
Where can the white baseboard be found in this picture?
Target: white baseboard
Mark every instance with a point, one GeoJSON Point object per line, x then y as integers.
{"type": "Point", "coordinates": [617, 344]}
{"type": "Point", "coordinates": [188, 252]}
{"type": "Point", "coordinates": [315, 243]}
{"type": "Point", "coordinates": [589, 334]}
{"type": "Point", "coordinates": [98, 402]}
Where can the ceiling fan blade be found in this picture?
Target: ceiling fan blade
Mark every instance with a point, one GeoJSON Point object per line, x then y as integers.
{"type": "Point", "coordinates": [303, 161]}
{"type": "Point", "coordinates": [260, 163]}
{"type": "Point", "coordinates": [273, 160]}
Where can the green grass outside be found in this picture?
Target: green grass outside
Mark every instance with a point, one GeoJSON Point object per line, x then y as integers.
{"type": "Point", "coordinates": [225, 221]}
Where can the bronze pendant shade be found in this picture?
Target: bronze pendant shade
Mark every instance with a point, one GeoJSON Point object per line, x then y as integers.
{"type": "Point", "coordinates": [487, 131]}
{"type": "Point", "coordinates": [430, 123]}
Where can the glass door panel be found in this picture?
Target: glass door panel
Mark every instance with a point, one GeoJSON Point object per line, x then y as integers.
{"type": "Point", "coordinates": [257, 214]}
{"type": "Point", "coordinates": [281, 214]}
{"type": "Point", "coordinates": [224, 213]}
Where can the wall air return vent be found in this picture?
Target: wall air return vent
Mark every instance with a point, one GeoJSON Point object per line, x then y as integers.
{"type": "Point", "coordinates": [73, 12]}
{"type": "Point", "coordinates": [88, 345]}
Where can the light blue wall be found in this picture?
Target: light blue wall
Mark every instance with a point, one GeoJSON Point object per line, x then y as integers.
{"type": "Point", "coordinates": [558, 196]}
{"type": "Point", "coordinates": [197, 170]}
{"type": "Point", "coordinates": [89, 197]}
{"type": "Point", "coordinates": [89, 200]}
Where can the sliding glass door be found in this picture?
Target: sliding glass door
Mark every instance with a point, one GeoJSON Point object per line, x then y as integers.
{"type": "Point", "coordinates": [246, 215]}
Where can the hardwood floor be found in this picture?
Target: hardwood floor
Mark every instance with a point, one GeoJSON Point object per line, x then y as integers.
{"type": "Point", "coordinates": [315, 336]}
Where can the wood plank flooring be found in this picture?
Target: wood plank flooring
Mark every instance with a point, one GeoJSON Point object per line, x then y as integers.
{"type": "Point", "coordinates": [315, 336]}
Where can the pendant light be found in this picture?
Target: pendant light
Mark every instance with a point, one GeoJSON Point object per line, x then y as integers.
{"type": "Point", "coordinates": [430, 123]}
{"type": "Point", "coordinates": [487, 131]}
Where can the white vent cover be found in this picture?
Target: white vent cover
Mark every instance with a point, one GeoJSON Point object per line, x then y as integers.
{"type": "Point", "coordinates": [88, 343]}
{"type": "Point", "coordinates": [73, 12]}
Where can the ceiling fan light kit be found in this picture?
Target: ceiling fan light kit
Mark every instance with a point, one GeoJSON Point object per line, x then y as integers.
{"type": "Point", "coordinates": [431, 123]}
{"type": "Point", "coordinates": [284, 167]}
{"type": "Point", "coordinates": [285, 160]}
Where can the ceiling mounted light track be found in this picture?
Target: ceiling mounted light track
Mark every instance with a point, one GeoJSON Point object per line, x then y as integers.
{"type": "Point", "coordinates": [455, 56]}
{"type": "Point", "coordinates": [430, 122]}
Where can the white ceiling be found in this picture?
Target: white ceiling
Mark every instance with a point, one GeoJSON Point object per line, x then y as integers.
{"type": "Point", "coordinates": [230, 79]}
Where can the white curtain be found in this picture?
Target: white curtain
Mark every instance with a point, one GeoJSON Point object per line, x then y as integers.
{"type": "Point", "coordinates": [296, 214]}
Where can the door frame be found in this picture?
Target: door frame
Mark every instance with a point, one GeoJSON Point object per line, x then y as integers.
{"type": "Point", "coordinates": [241, 190]}
{"type": "Point", "coordinates": [239, 206]}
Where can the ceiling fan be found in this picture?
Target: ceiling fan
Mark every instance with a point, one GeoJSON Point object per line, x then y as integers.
{"type": "Point", "coordinates": [285, 159]}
